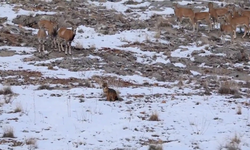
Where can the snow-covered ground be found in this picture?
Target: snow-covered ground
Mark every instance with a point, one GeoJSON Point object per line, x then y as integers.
{"type": "Point", "coordinates": [60, 121]}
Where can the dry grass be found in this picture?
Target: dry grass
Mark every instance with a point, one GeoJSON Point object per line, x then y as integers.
{"type": "Point", "coordinates": [79, 45]}
{"type": "Point", "coordinates": [155, 147]}
{"type": "Point", "coordinates": [157, 34]}
{"type": "Point", "coordinates": [164, 23]}
{"type": "Point", "coordinates": [8, 98]}
{"type": "Point", "coordinates": [44, 87]}
{"type": "Point", "coordinates": [6, 91]}
{"type": "Point", "coordinates": [112, 81]}
{"type": "Point", "coordinates": [232, 144]}
{"type": "Point", "coordinates": [228, 87]}
{"type": "Point", "coordinates": [19, 108]}
{"type": "Point", "coordinates": [8, 132]}
{"type": "Point", "coordinates": [120, 17]}
{"type": "Point", "coordinates": [93, 46]}
{"type": "Point", "coordinates": [239, 112]}
{"type": "Point", "coordinates": [154, 117]}
{"type": "Point", "coordinates": [147, 38]}
{"type": "Point", "coordinates": [32, 142]}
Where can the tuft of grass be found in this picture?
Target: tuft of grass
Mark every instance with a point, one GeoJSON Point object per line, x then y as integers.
{"type": "Point", "coordinates": [155, 147]}
{"type": "Point", "coordinates": [19, 108]}
{"type": "Point", "coordinates": [6, 91]}
{"type": "Point", "coordinates": [154, 117]}
{"type": "Point", "coordinates": [180, 84]}
{"type": "Point", "coordinates": [32, 142]}
{"type": "Point", "coordinates": [44, 87]}
{"type": "Point", "coordinates": [147, 38]}
{"type": "Point", "coordinates": [8, 132]}
{"type": "Point", "coordinates": [79, 45]}
{"type": "Point", "coordinates": [7, 98]}
{"type": "Point", "coordinates": [232, 144]}
{"type": "Point", "coordinates": [239, 112]}
{"type": "Point", "coordinates": [228, 87]}
{"type": "Point", "coordinates": [93, 46]}
{"type": "Point", "coordinates": [157, 34]}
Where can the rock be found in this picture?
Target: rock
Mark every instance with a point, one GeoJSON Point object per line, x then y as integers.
{"type": "Point", "coordinates": [3, 19]}
{"type": "Point", "coordinates": [157, 76]}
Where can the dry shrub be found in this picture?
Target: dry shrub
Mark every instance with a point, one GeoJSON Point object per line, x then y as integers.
{"type": "Point", "coordinates": [157, 34]}
{"type": "Point", "coordinates": [233, 144]}
{"type": "Point", "coordinates": [44, 87]}
{"type": "Point", "coordinates": [155, 147]}
{"type": "Point", "coordinates": [19, 108]}
{"type": "Point", "coordinates": [180, 84]}
{"type": "Point", "coordinates": [228, 87]}
{"type": "Point", "coordinates": [131, 2]}
{"type": "Point", "coordinates": [32, 142]}
{"type": "Point", "coordinates": [154, 117]}
{"type": "Point", "coordinates": [6, 91]}
{"type": "Point", "coordinates": [79, 45]}
{"type": "Point", "coordinates": [8, 98]}
{"type": "Point", "coordinates": [163, 23]}
{"type": "Point", "coordinates": [147, 38]}
{"type": "Point", "coordinates": [120, 17]}
{"type": "Point", "coordinates": [8, 132]}
{"type": "Point", "coordinates": [239, 112]}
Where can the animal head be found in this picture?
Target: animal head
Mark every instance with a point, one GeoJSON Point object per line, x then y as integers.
{"type": "Point", "coordinates": [210, 4]}
{"type": "Point", "coordinates": [175, 5]}
{"type": "Point", "coordinates": [104, 84]}
{"type": "Point", "coordinates": [105, 89]}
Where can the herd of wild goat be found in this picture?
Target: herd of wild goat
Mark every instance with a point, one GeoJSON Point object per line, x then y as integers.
{"type": "Point", "coordinates": [57, 36]}
{"type": "Point", "coordinates": [232, 18]}
{"type": "Point", "coordinates": [229, 18]}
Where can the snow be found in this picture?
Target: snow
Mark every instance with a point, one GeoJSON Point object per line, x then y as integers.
{"type": "Point", "coordinates": [63, 122]}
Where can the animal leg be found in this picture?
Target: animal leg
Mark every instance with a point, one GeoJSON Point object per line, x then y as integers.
{"type": "Point", "coordinates": [232, 38]}
{"type": "Point", "coordinates": [70, 49]}
{"type": "Point", "coordinates": [66, 48]}
{"type": "Point", "coordinates": [51, 42]}
{"type": "Point", "coordinates": [58, 43]}
{"type": "Point", "coordinates": [209, 24]}
{"type": "Point", "coordinates": [234, 34]}
{"type": "Point", "coordinates": [43, 45]}
{"type": "Point", "coordinates": [180, 21]}
{"type": "Point", "coordinates": [245, 32]}
{"type": "Point", "coordinates": [54, 44]}
{"type": "Point", "coordinates": [62, 46]}
{"type": "Point", "coordinates": [211, 28]}
{"type": "Point", "coordinates": [223, 38]}
{"type": "Point", "coordinates": [197, 27]}
{"type": "Point", "coordinates": [39, 47]}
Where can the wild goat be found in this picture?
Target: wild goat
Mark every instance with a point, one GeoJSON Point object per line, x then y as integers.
{"type": "Point", "coordinates": [41, 36]}
{"type": "Point", "coordinates": [245, 13]}
{"type": "Point", "coordinates": [227, 29]}
{"type": "Point", "coordinates": [199, 16]}
{"type": "Point", "coordinates": [51, 27]}
{"type": "Point", "coordinates": [67, 36]}
{"type": "Point", "coordinates": [238, 22]}
{"type": "Point", "coordinates": [181, 13]}
{"type": "Point", "coordinates": [217, 13]}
